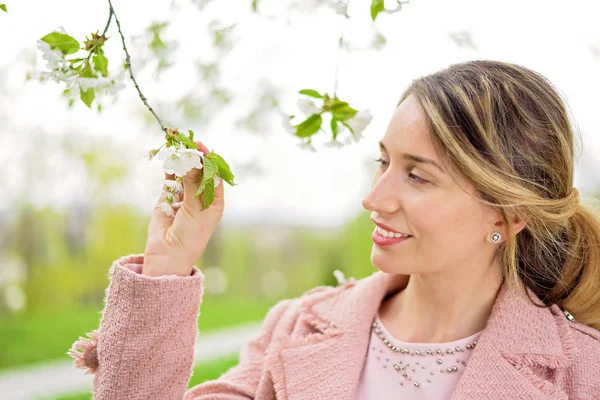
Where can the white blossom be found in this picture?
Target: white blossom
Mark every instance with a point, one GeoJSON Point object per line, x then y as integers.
{"type": "Point", "coordinates": [165, 153]}
{"type": "Point", "coordinates": [60, 71]}
{"type": "Point", "coordinates": [217, 181]}
{"type": "Point", "coordinates": [307, 146]}
{"type": "Point", "coordinates": [190, 152]}
{"type": "Point", "coordinates": [178, 165]}
{"type": "Point", "coordinates": [349, 140]}
{"type": "Point", "coordinates": [359, 123]}
{"type": "Point", "coordinates": [179, 160]}
{"type": "Point", "coordinates": [334, 144]}
{"type": "Point", "coordinates": [286, 122]}
{"type": "Point", "coordinates": [353, 138]}
{"type": "Point", "coordinates": [338, 6]}
{"type": "Point", "coordinates": [54, 58]}
{"type": "Point", "coordinates": [167, 209]}
{"type": "Point", "coordinates": [339, 275]}
{"type": "Point", "coordinates": [307, 106]}
{"type": "Point", "coordinates": [108, 85]}
{"type": "Point", "coordinates": [173, 187]}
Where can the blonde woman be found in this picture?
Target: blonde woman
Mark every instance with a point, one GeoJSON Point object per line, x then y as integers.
{"type": "Point", "coordinates": [489, 270]}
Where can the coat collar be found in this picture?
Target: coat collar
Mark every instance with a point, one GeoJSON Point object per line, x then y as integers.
{"type": "Point", "coordinates": [520, 341]}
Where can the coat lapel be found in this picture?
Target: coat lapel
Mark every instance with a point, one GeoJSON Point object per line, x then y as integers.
{"type": "Point", "coordinates": [516, 353]}
{"type": "Point", "coordinates": [327, 362]}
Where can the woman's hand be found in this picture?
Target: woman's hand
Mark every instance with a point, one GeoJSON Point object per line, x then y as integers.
{"type": "Point", "coordinates": [176, 243]}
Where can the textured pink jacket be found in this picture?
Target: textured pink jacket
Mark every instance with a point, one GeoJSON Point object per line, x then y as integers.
{"type": "Point", "coordinates": [313, 347]}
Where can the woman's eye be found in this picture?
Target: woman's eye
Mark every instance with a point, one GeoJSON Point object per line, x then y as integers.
{"type": "Point", "coordinates": [411, 177]}
{"type": "Point", "coordinates": [416, 179]}
{"type": "Point", "coordinates": [381, 162]}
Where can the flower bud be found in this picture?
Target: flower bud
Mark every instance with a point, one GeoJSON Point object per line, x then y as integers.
{"type": "Point", "coordinates": [152, 153]}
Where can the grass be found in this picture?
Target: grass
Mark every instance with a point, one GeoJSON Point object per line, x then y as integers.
{"type": "Point", "coordinates": [212, 370]}
{"type": "Point", "coordinates": [36, 337]}
{"type": "Point", "coordinates": [202, 373]}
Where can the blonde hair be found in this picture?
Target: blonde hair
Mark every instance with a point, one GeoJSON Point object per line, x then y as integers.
{"type": "Point", "coordinates": [506, 130]}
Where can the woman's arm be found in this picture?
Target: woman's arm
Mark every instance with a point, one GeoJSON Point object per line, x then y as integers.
{"type": "Point", "coordinates": [144, 348]}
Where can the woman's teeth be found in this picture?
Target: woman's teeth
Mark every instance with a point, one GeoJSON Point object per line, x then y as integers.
{"type": "Point", "coordinates": [389, 234]}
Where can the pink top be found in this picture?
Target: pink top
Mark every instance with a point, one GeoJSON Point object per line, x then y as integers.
{"type": "Point", "coordinates": [422, 371]}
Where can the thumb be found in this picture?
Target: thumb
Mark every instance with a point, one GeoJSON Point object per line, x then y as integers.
{"type": "Point", "coordinates": [191, 183]}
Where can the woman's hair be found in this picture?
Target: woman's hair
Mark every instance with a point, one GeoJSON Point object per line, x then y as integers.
{"type": "Point", "coordinates": [506, 130]}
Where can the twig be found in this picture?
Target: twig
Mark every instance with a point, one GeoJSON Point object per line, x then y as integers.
{"type": "Point", "coordinates": [110, 14]}
{"type": "Point", "coordinates": [128, 63]}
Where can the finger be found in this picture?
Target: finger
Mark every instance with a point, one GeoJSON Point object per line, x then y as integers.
{"type": "Point", "coordinates": [163, 213]}
{"type": "Point", "coordinates": [191, 183]}
{"type": "Point", "coordinates": [219, 200]}
{"type": "Point", "coordinates": [203, 148]}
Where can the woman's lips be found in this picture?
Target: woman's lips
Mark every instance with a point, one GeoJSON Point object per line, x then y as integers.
{"type": "Point", "coordinates": [386, 241]}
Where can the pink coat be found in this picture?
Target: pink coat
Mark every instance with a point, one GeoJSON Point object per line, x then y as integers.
{"type": "Point", "coordinates": [313, 347]}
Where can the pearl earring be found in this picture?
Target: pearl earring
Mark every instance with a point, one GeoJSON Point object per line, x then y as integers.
{"type": "Point", "coordinates": [495, 237]}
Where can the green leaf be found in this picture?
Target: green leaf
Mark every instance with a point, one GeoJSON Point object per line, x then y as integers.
{"type": "Point", "coordinates": [71, 102]}
{"type": "Point", "coordinates": [334, 127]}
{"type": "Point", "coordinates": [208, 172]}
{"type": "Point", "coordinates": [377, 6]}
{"type": "Point", "coordinates": [311, 93]}
{"type": "Point", "coordinates": [342, 111]}
{"type": "Point", "coordinates": [101, 63]}
{"type": "Point", "coordinates": [310, 126]}
{"type": "Point", "coordinates": [191, 132]}
{"type": "Point", "coordinates": [224, 170]}
{"type": "Point", "coordinates": [87, 96]}
{"type": "Point", "coordinates": [86, 70]}
{"type": "Point", "coordinates": [337, 103]}
{"type": "Point", "coordinates": [209, 193]}
{"type": "Point", "coordinates": [186, 140]}
{"type": "Point", "coordinates": [62, 41]}
{"type": "Point", "coordinates": [3, 7]}
{"type": "Point", "coordinates": [254, 5]}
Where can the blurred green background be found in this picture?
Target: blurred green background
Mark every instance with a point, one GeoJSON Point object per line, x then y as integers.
{"type": "Point", "coordinates": [55, 282]}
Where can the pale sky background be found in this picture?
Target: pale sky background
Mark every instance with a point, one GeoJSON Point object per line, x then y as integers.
{"type": "Point", "coordinates": [559, 39]}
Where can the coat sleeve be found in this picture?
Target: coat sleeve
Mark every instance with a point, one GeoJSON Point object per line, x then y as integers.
{"type": "Point", "coordinates": [242, 381]}
{"type": "Point", "coordinates": [144, 347]}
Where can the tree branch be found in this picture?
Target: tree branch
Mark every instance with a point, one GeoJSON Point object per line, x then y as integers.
{"type": "Point", "coordinates": [128, 64]}
{"type": "Point", "coordinates": [110, 14]}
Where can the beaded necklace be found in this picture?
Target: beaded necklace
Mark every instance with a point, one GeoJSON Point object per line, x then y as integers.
{"type": "Point", "coordinates": [408, 370]}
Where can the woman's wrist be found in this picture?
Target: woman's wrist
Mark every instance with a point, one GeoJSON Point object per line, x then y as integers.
{"type": "Point", "coordinates": [161, 265]}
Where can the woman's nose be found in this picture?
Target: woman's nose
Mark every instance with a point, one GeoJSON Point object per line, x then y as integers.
{"type": "Point", "coordinates": [382, 197]}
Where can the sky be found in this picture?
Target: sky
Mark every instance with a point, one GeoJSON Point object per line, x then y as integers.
{"type": "Point", "coordinates": [558, 39]}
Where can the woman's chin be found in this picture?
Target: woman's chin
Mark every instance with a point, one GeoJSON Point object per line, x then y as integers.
{"type": "Point", "coordinates": [384, 263]}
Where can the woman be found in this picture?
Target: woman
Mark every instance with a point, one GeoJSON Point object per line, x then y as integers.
{"type": "Point", "coordinates": [482, 247]}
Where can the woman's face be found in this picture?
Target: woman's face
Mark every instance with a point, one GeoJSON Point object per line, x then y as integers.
{"type": "Point", "coordinates": [414, 193]}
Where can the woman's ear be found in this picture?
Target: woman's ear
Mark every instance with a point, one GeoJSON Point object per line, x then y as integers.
{"type": "Point", "coordinates": [518, 225]}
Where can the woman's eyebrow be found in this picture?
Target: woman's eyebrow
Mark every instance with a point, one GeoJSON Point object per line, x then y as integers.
{"type": "Point", "coordinates": [415, 158]}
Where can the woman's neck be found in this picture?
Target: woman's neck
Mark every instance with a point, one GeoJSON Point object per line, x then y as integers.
{"type": "Point", "coordinates": [437, 308]}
